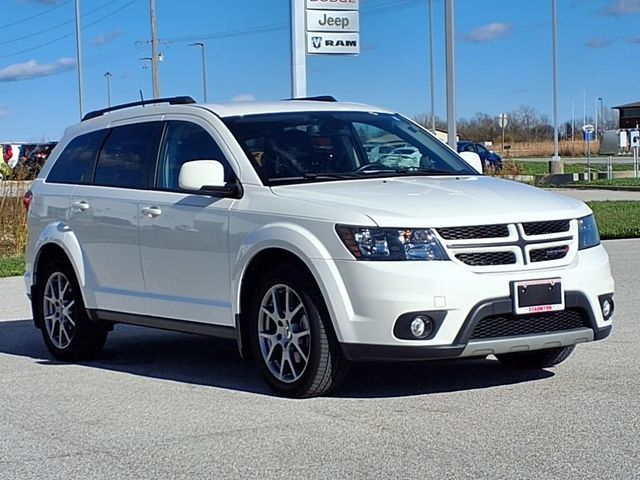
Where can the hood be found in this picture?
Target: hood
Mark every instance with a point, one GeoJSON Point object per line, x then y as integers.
{"type": "Point", "coordinates": [437, 201]}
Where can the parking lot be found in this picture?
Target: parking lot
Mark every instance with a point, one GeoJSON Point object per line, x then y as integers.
{"type": "Point", "coordinates": [166, 405]}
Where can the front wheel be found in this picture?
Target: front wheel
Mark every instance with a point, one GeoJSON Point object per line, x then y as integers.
{"type": "Point", "coordinates": [66, 328]}
{"type": "Point", "coordinates": [537, 359]}
{"type": "Point", "coordinates": [291, 336]}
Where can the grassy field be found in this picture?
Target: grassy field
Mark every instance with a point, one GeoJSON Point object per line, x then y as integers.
{"type": "Point", "coordinates": [616, 182]}
{"type": "Point", "coordinates": [542, 168]}
{"type": "Point", "coordinates": [620, 219]}
{"type": "Point", "coordinates": [11, 266]}
{"type": "Point", "coordinates": [567, 148]}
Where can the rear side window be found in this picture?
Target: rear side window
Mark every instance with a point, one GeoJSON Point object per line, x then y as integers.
{"type": "Point", "coordinates": [75, 163]}
{"type": "Point", "coordinates": [128, 156]}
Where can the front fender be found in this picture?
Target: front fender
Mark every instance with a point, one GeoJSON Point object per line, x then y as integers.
{"type": "Point", "coordinates": [310, 250]}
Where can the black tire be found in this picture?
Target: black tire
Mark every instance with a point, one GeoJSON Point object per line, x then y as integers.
{"type": "Point", "coordinates": [537, 359]}
{"type": "Point", "coordinates": [325, 366]}
{"type": "Point", "coordinates": [82, 341]}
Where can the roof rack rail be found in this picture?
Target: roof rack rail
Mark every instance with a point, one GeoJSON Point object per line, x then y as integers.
{"type": "Point", "coordinates": [184, 100]}
{"type": "Point", "coordinates": [319, 98]}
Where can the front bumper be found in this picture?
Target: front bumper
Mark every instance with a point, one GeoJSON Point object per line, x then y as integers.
{"type": "Point", "coordinates": [463, 346]}
{"type": "Point", "coordinates": [366, 298]}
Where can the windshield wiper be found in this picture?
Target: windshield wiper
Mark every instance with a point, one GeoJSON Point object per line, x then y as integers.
{"type": "Point", "coordinates": [313, 177]}
{"type": "Point", "coordinates": [392, 172]}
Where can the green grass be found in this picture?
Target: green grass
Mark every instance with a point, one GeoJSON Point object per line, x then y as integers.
{"type": "Point", "coordinates": [542, 168]}
{"type": "Point", "coordinates": [11, 266]}
{"type": "Point", "coordinates": [616, 182]}
{"type": "Point", "coordinates": [619, 219]}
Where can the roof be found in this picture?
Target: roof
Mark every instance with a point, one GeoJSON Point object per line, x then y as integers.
{"type": "Point", "coordinates": [628, 105]}
{"type": "Point", "coordinates": [234, 109]}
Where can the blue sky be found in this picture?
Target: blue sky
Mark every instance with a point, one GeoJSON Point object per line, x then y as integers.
{"type": "Point", "coordinates": [503, 52]}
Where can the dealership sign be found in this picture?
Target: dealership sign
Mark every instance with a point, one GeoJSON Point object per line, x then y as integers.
{"type": "Point", "coordinates": [333, 5]}
{"type": "Point", "coordinates": [332, 27]}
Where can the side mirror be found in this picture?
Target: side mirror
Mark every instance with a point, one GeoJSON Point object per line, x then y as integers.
{"type": "Point", "coordinates": [473, 159]}
{"type": "Point", "coordinates": [207, 176]}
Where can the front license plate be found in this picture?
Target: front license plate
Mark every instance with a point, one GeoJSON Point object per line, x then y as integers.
{"type": "Point", "coordinates": [534, 296]}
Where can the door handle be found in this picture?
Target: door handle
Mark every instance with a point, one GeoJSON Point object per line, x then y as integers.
{"type": "Point", "coordinates": [80, 206]}
{"type": "Point", "coordinates": [150, 212]}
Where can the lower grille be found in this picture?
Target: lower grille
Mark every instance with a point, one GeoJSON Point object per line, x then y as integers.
{"type": "Point", "coordinates": [487, 258]}
{"type": "Point", "coordinates": [498, 326]}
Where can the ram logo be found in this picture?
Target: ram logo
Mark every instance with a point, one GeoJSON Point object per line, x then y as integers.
{"type": "Point", "coordinates": [316, 42]}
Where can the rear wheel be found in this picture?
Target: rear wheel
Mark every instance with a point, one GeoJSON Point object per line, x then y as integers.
{"type": "Point", "coordinates": [291, 336]}
{"type": "Point", "coordinates": [66, 328]}
{"type": "Point", "coordinates": [536, 359]}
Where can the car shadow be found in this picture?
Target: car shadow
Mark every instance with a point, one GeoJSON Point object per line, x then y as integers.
{"type": "Point", "coordinates": [215, 362]}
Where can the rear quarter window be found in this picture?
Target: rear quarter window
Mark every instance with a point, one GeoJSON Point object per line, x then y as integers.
{"type": "Point", "coordinates": [75, 163]}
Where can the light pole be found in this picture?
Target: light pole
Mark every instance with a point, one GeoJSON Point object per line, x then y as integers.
{"type": "Point", "coordinates": [451, 75]}
{"type": "Point", "coordinates": [204, 67]}
{"type": "Point", "coordinates": [555, 166]}
{"type": "Point", "coordinates": [79, 61]}
{"type": "Point", "coordinates": [107, 75]}
{"type": "Point", "coordinates": [431, 72]}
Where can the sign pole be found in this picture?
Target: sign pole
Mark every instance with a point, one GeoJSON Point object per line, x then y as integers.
{"type": "Point", "coordinates": [298, 58]}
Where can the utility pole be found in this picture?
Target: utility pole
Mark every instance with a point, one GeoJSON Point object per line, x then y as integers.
{"type": "Point", "coordinates": [107, 75]}
{"type": "Point", "coordinates": [555, 166]}
{"type": "Point", "coordinates": [451, 78]}
{"type": "Point", "coordinates": [204, 67]}
{"type": "Point", "coordinates": [79, 61]}
{"type": "Point", "coordinates": [431, 71]}
{"type": "Point", "coordinates": [154, 50]}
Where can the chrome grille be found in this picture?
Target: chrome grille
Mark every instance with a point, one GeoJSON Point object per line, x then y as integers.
{"type": "Point", "coordinates": [487, 258]}
{"type": "Point", "coordinates": [546, 228]}
{"type": "Point", "coordinates": [475, 231]}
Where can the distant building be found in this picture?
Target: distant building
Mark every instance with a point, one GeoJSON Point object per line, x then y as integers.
{"type": "Point", "coordinates": [629, 115]}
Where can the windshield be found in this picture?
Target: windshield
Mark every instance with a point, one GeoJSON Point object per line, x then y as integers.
{"type": "Point", "coordinates": [319, 146]}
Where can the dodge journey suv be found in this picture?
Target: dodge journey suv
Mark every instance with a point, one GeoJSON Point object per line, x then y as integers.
{"type": "Point", "coordinates": [268, 223]}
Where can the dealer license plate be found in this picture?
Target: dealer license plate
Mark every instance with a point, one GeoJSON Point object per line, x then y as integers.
{"type": "Point", "coordinates": [535, 296]}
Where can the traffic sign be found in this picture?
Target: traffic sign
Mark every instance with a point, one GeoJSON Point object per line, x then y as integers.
{"type": "Point", "coordinates": [588, 128]}
{"type": "Point", "coordinates": [503, 120]}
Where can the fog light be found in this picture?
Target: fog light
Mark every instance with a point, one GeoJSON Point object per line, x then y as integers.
{"type": "Point", "coordinates": [606, 310]}
{"type": "Point", "coordinates": [421, 326]}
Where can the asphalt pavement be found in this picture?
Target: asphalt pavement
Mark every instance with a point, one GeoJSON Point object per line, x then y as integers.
{"type": "Point", "coordinates": [176, 406]}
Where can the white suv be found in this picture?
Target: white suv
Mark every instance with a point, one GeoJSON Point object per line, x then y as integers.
{"type": "Point", "coordinates": [269, 224]}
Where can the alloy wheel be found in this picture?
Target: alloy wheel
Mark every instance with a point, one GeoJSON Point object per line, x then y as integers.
{"type": "Point", "coordinates": [58, 308]}
{"type": "Point", "coordinates": [284, 334]}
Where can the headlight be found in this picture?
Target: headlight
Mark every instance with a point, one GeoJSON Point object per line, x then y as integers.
{"type": "Point", "coordinates": [588, 235]}
{"type": "Point", "coordinates": [372, 243]}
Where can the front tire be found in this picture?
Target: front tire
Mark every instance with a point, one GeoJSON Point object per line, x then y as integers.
{"type": "Point", "coordinates": [67, 331]}
{"type": "Point", "coordinates": [291, 336]}
{"type": "Point", "coordinates": [537, 359]}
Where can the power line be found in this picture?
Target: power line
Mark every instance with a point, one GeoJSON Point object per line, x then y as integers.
{"type": "Point", "coordinates": [40, 32]}
{"type": "Point", "coordinates": [20, 21]}
{"type": "Point", "coordinates": [49, 42]}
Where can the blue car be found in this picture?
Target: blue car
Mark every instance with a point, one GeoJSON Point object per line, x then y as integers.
{"type": "Point", "coordinates": [489, 158]}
